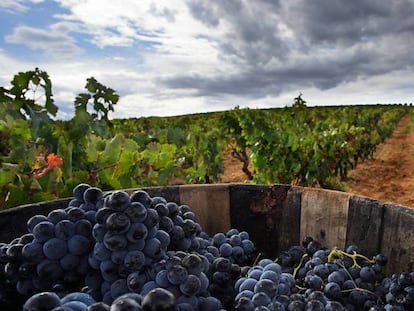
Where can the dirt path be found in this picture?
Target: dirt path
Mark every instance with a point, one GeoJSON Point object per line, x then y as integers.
{"type": "Point", "coordinates": [388, 177]}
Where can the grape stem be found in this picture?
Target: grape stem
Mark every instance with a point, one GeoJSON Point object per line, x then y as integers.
{"type": "Point", "coordinates": [296, 269]}
{"type": "Point", "coordinates": [337, 253]}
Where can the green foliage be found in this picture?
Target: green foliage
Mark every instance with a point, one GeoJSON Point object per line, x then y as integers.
{"type": "Point", "coordinates": [43, 159]}
{"type": "Point", "coordinates": [311, 146]}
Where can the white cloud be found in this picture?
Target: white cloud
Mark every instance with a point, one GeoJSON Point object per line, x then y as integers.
{"type": "Point", "coordinates": [173, 57]}
{"type": "Point", "coordinates": [13, 6]}
{"type": "Point", "coordinates": [53, 42]}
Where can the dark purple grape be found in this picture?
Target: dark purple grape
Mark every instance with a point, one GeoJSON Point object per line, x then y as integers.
{"type": "Point", "coordinates": [34, 220]}
{"type": "Point", "coordinates": [142, 197]}
{"type": "Point", "coordinates": [135, 281]}
{"type": "Point", "coordinates": [177, 274]}
{"type": "Point", "coordinates": [75, 305]}
{"type": "Point", "coordinates": [83, 227]}
{"type": "Point", "coordinates": [65, 229]}
{"type": "Point", "coordinates": [42, 301]}
{"type": "Point", "coordinates": [98, 306]}
{"type": "Point", "coordinates": [79, 191]}
{"type": "Point", "coordinates": [134, 260]}
{"type": "Point", "coordinates": [79, 245]}
{"type": "Point", "coordinates": [44, 231]}
{"type": "Point", "coordinates": [33, 252]}
{"type": "Point", "coordinates": [173, 209]}
{"type": "Point", "coordinates": [152, 248]}
{"type": "Point", "coordinates": [118, 223]}
{"type": "Point", "coordinates": [78, 296]}
{"type": "Point", "coordinates": [136, 211]}
{"type": "Point", "coordinates": [118, 200]}
{"type": "Point", "coordinates": [333, 291]}
{"type": "Point", "coordinates": [49, 270]}
{"type": "Point", "coordinates": [75, 213]}
{"type": "Point", "coordinates": [118, 288]}
{"type": "Point", "coordinates": [93, 195]}
{"type": "Point", "coordinates": [161, 209]}
{"type": "Point", "coordinates": [191, 286]}
{"type": "Point", "coordinates": [115, 242]}
{"type": "Point", "coordinates": [55, 248]}
{"type": "Point", "coordinates": [137, 232]}
{"type": "Point", "coordinates": [57, 215]}
{"type": "Point", "coordinates": [159, 299]}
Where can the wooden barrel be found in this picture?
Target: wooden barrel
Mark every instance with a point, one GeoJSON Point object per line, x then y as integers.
{"type": "Point", "coordinates": [276, 217]}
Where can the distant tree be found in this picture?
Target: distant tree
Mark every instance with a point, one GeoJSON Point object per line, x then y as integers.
{"type": "Point", "coordinates": [299, 102]}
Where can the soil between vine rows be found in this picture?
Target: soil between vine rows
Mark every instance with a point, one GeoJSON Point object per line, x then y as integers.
{"type": "Point", "coordinates": [387, 177]}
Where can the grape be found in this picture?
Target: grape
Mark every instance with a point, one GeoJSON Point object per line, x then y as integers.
{"type": "Point", "coordinates": [191, 286]}
{"type": "Point", "coordinates": [148, 286]}
{"type": "Point", "coordinates": [69, 262]}
{"type": "Point", "coordinates": [78, 245]}
{"type": "Point", "coordinates": [159, 299]}
{"type": "Point", "coordinates": [100, 252]}
{"type": "Point", "coordinates": [98, 232]}
{"type": "Point", "coordinates": [57, 215]}
{"type": "Point", "coordinates": [266, 286]}
{"type": "Point", "coordinates": [136, 212]}
{"type": "Point", "coordinates": [118, 200]}
{"type": "Point", "coordinates": [125, 304]}
{"type": "Point", "coordinates": [14, 252]}
{"type": "Point", "coordinates": [118, 223]}
{"type": "Point", "coordinates": [49, 269]}
{"type": "Point", "coordinates": [161, 209]}
{"type": "Point", "coordinates": [367, 274]}
{"type": "Point", "coordinates": [98, 306]}
{"type": "Point", "coordinates": [42, 301]}
{"type": "Point", "coordinates": [166, 224]}
{"type": "Point", "coordinates": [245, 304]}
{"type": "Point", "coordinates": [79, 190]}
{"type": "Point", "coordinates": [137, 231]}
{"type": "Point", "coordinates": [118, 288]}
{"type": "Point", "coordinates": [193, 264]}
{"type": "Point", "coordinates": [75, 213]}
{"type": "Point", "coordinates": [152, 218]}
{"type": "Point", "coordinates": [173, 209]}
{"type": "Point", "coordinates": [115, 242]}
{"type": "Point", "coordinates": [152, 248]}
{"type": "Point", "coordinates": [44, 231]}
{"type": "Point", "coordinates": [75, 305]}
{"type": "Point", "coordinates": [65, 229]}
{"type": "Point", "coordinates": [118, 257]}
{"type": "Point", "coordinates": [135, 281]}
{"type": "Point", "coordinates": [102, 214]}
{"type": "Point", "coordinates": [164, 238]}
{"type": "Point", "coordinates": [78, 296]}
{"type": "Point", "coordinates": [55, 248]}
{"type": "Point", "coordinates": [34, 220]}
{"type": "Point", "coordinates": [333, 291]}
{"type": "Point", "coordinates": [83, 227]}
{"type": "Point", "coordinates": [177, 274]}
{"type": "Point", "coordinates": [134, 260]}
{"type": "Point", "coordinates": [109, 270]}
{"type": "Point", "coordinates": [93, 195]}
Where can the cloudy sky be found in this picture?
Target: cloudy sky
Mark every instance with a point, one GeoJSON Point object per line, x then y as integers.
{"type": "Point", "coordinates": [171, 57]}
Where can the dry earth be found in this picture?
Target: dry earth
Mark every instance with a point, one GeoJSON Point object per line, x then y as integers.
{"type": "Point", "coordinates": [388, 176]}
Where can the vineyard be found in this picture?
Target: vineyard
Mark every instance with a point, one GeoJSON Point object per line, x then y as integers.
{"type": "Point", "coordinates": [42, 158]}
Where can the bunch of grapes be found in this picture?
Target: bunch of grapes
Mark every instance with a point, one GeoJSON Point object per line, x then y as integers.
{"type": "Point", "coordinates": [54, 252]}
{"type": "Point", "coordinates": [234, 245]}
{"type": "Point", "coordinates": [128, 241]}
